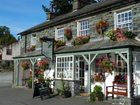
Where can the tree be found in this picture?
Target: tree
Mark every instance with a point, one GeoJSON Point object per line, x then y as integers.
{"type": "Point", "coordinates": [6, 37]}
{"type": "Point", "coordinates": [59, 7]}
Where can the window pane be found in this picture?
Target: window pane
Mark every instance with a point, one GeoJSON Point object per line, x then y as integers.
{"type": "Point", "coordinates": [84, 26]}
{"type": "Point", "coordinates": [124, 20]}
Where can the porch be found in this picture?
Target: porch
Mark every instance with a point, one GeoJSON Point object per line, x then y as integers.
{"type": "Point", "coordinates": [70, 62]}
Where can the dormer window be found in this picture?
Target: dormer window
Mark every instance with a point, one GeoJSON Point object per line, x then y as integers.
{"type": "Point", "coordinates": [124, 20]}
{"type": "Point", "coordinates": [59, 34]}
{"type": "Point", "coordinates": [83, 27]}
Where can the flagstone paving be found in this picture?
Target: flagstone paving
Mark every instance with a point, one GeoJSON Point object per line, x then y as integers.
{"type": "Point", "coordinates": [16, 96]}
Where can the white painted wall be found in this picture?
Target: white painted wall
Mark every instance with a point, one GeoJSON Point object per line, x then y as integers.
{"type": "Point", "coordinates": [15, 51]}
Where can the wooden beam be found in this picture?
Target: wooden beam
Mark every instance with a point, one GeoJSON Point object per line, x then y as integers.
{"type": "Point", "coordinates": [93, 58]}
{"type": "Point", "coordinates": [123, 57]}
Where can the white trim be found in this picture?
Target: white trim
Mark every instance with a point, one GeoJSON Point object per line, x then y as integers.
{"type": "Point", "coordinates": [122, 22]}
{"type": "Point", "coordinates": [72, 67]}
{"type": "Point", "coordinates": [79, 26]}
{"type": "Point", "coordinates": [56, 32]}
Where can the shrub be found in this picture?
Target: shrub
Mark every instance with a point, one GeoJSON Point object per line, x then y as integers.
{"type": "Point", "coordinates": [97, 94]}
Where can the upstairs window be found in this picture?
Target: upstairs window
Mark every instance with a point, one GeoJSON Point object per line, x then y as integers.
{"type": "Point", "coordinates": [60, 34]}
{"type": "Point", "coordinates": [33, 39]}
{"type": "Point", "coordinates": [8, 51]}
{"type": "Point", "coordinates": [83, 28]}
{"type": "Point", "coordinates": [124, 20]}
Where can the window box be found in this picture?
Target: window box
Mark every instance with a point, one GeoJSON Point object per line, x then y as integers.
{"type": "Point", "coordinates": [81, 40]}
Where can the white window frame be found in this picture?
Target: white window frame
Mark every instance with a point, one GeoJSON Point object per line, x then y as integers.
{"type": "Point", "coordinates": [57, 36]}
{"type": "Point", "coordinates": [122, 20]}
{"type": "Point", "coordinates": [66, 64]}
{"type": "Point", "coordinates": [83, 28]}
{"type": "Point", "coordinates": [33, 39]}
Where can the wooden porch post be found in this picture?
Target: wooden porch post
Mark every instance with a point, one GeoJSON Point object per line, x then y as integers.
{"type": "Point", "coordinates": [33, 61]}
{"type": "Point", "coordinates": [16, 72]}
{"type": "Point", "coordinates": [89, 60]}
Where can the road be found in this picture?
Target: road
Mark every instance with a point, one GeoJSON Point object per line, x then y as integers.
{"type": "Point", "coordinates": [6, 79]}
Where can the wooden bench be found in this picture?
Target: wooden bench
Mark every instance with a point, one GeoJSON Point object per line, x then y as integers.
{"type": "Point", "coordinates": [116, 89]}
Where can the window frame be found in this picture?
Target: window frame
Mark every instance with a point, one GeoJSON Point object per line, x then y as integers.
{"type": "Point", "coordinates": [69, 67]}
{"type": "Point", "coordinates": [79, 26]}
{"type": "Point", "coordinates": [33, 40]}
{"type": "Point", "coordinates": [122, 20]}
{"type": "Point", "coordinates": [57, 37]}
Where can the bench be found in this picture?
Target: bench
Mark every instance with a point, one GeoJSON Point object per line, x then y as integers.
{"type": "Point", "coordinates": [116, 89]}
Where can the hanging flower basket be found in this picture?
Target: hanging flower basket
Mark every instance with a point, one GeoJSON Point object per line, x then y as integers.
{"type": "Point", "coordinates": [81, 40]}
{"type": "Point", "coordinates": [43, 64]}
{"type": "Point", "coordinates": [25, 65]}
{"type": "Point", "coordinates": [101, 26]}
{"type": "Point", "coordinates": [68, 33]}
{"type": "Point", "coordinates": [106, 64]}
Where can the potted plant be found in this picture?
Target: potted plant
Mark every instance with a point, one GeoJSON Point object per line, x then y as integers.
{"type": "Point", "coordinates": [97, 94]}
{"type": "Point", "coordinates": [81, 40]}
{"type": "Point", "coordinates": [101, 26]}
{"type": "Point", "coordinates": [68, 33]}
{"type": "Point", "coordinates": [65, 90]}
{"type": "Point", "coordinates": [29, 83]}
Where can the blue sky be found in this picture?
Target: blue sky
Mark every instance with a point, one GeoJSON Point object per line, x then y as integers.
{"type": "Point", "coordinates": [20, 15]}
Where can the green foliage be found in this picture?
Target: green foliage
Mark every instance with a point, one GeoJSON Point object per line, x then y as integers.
{"type": "Point", "coordinates": [59, 7]}
{"type": "Point", "coordinates": [97, 94]}
{"type": "Point", "coordinates": [81, 40]}
{"type": "Point", "coordinates": [129, 34]}
{"type": "Point", "coordinates": [5, 37]}
{"type": "Point", "coordinates": [64, 91]}
{"type": "Point", "coordinates": [111, 34]}
{"type": "Point", "coordinates": [59, 43]}
{"type": "Point", "coordinates": [29, 83]}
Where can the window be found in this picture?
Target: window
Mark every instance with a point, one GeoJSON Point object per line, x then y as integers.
{"type": "Point", "coordinates": [33, 39]}
{"type": "Point", "coordinates": [124, 20]}
{"type": "Point", "coordinates": [60, 34]}
{"type": "Point", "coordinates": [8, 51]}
{"type": "Point", "coordinates": [64, 67]}
{"type": "Point", "coordinates": [83, 27]}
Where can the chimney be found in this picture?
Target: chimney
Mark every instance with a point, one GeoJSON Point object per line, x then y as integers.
{"type": "Point", "coordinates": [77, 4]}
{"type": "Point", "coordinates": [50, 15]}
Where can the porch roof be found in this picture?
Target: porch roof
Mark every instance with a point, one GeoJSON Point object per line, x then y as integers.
{"type": "Point", "coordinates": [99, 45]}
{"type": "Point", "coordinates": [29, 55]}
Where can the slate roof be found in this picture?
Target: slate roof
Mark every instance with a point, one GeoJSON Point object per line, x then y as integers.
{"type": "Point", "coordinates": [99, 45]}
{"type": "Point", "coordinates": [85, 11]}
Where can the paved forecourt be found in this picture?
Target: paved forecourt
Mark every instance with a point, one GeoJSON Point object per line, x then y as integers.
{"type": "Point", "coordinates": [19, 96]}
